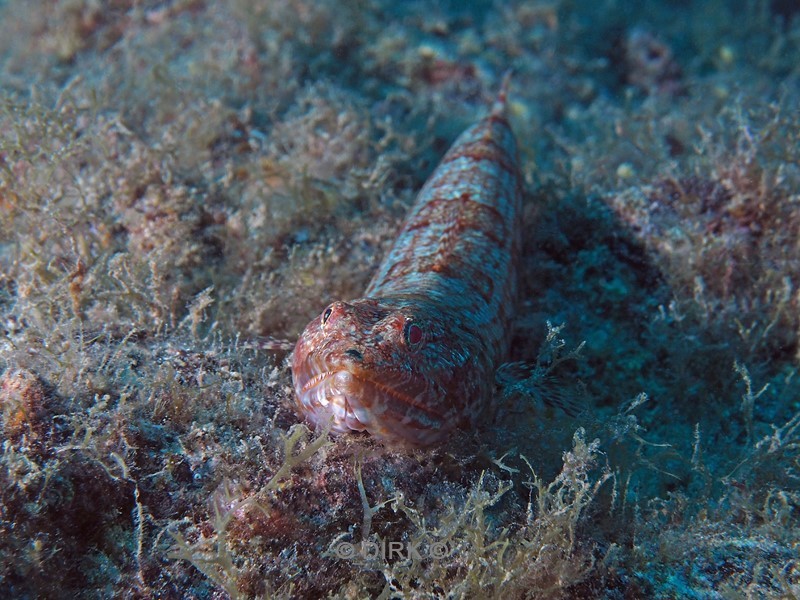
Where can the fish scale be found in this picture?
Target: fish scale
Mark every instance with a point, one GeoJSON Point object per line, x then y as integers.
{"type": "Point", "coordinates": [415, 357]}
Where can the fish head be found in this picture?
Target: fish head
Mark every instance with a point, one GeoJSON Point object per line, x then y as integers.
{"type": "Point", "coordinates": [384, 366]}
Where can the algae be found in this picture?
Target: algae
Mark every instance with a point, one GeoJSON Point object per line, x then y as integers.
{"type": "Point", "coordinates": [181, 181]}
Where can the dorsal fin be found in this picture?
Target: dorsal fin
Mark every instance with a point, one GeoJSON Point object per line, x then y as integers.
{"type": "Point", "coordinates": [499, 108]}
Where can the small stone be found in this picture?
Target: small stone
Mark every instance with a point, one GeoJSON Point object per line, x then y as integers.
{"type": "Point", "coordinates": [625, 171]}
{"type": "Point", "coordinates": [22, 403]}
{"type": "Point", "coordinates": [726, 55]}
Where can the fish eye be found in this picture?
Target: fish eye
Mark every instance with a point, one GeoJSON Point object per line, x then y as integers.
{"type": "Point", "coordinates": [412, 333]}
{"type": "Point", "coordinates": [327, 314]}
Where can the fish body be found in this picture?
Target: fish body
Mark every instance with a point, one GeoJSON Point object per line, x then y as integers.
{"type": "Point", "coordinates": [416, 356]}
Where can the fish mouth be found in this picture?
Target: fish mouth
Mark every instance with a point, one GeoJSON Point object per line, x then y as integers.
{"type": "Point", "coordinates": [351, 401]}
{"type": "Point", "coordinates": [328, 397]}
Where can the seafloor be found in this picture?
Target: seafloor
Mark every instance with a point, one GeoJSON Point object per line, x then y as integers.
{"type": "Point", "coordinates": [181, 181]}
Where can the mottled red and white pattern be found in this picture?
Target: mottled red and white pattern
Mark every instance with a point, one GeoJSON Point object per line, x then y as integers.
{"type": "Point", "coordinates": [415, 357]}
